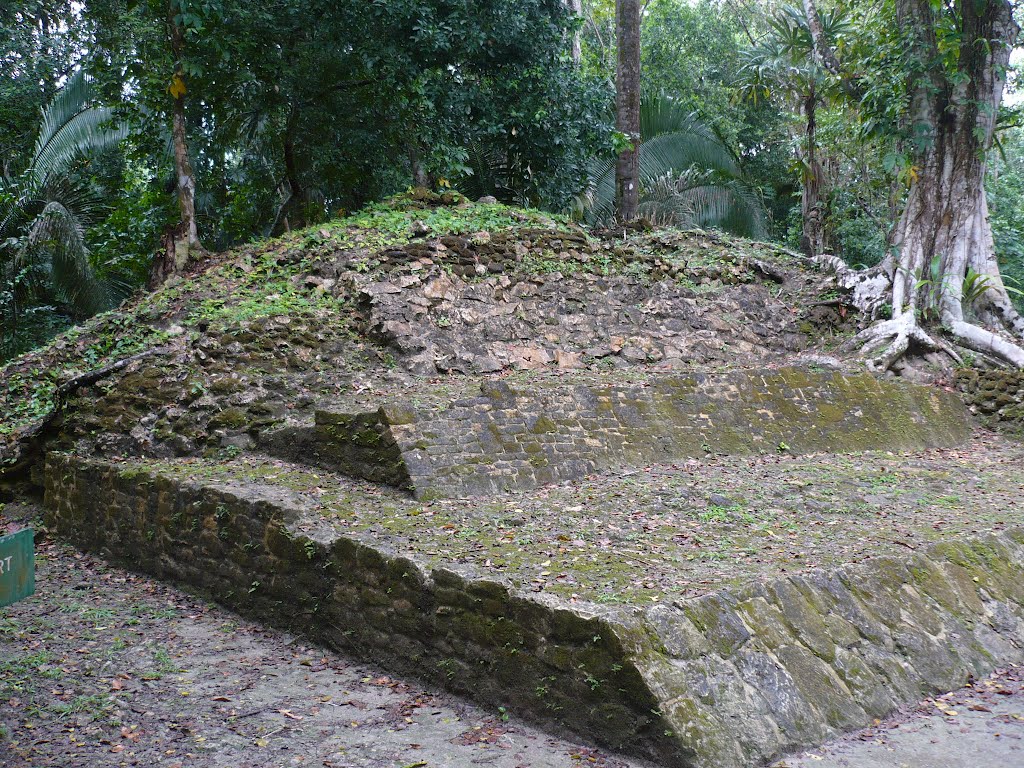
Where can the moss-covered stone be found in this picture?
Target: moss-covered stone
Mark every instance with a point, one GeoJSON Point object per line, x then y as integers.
{"type": "Point", "coordinates": [729, 679]}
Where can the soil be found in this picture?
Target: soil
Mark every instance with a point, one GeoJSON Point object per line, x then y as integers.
{"type": "Point", "coordinates": [103, 667]}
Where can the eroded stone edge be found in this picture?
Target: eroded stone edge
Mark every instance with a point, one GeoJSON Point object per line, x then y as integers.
{"type": "Point", "coordinates": [748, 674]}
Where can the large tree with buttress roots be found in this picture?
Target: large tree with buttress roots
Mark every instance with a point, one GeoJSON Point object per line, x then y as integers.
{"type": "Point", "coordinates": [941, 278]}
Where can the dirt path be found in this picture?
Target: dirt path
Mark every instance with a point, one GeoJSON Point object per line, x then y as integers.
{"type": "Point", "coordinates": [106, 668]}
{"type": "Point", "coordinates": [980, 726]}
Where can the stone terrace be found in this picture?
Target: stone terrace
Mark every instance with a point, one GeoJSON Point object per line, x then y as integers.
{"type": "Point", "coordinates": [507, 438]}
{"type": "Point", "coordinates": [703, 613]}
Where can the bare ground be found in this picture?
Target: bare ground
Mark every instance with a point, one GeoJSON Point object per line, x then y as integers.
{"type": "Point", "coordinates": [981, 725]}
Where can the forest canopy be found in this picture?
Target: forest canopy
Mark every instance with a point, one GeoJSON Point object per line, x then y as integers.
{"type": "Point", "coordinates": [139, 135]}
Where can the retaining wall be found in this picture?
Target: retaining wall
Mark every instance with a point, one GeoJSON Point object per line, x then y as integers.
{"type": "Point", "coordinates": [518, 439]}
{"type": "Point", "coordinates": [731, 679]}
{"type": "Point", "coordinates": [997, 396]}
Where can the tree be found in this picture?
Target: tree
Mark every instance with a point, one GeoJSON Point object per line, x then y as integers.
{"type": "Point", "coordinates": [46, 209]}
{"type": "Point", "coordinates": [486, 91]}
{"type": "Point", "coordinates": [576, 9]}
{"type": "Point", "coordinates": [954, 57]}
{"type": "Point", "coordinates": [41, 43]}
{"type": "Point", "coordinates": [627, 108]}
{"type": "Point", "coordinates": [1005, 189]}
{"type": "Point", "coordinates": [184, 243]}
{"type": "Point", "coordinates": [786, 61]}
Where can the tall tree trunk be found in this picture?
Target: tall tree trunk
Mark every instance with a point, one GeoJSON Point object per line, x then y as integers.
{"type": "Point", "coordinates": [182, 244]}
{"type": "Point", "coordinates": [295, 208]}
{"type": "Point", "coordinates": [576, 9]}
{"type": "Point", "coordinates": [627, 108]}
{"type": "Point", "coordinates": [186, 179]}
{"type": "Point", "coordinates": [822, 50]}
{"type": "Point", "coordinates": [812, 205]}
{"type": "Point", "coordinates": [420, 176]}
{"type": "Point", "coordinates": [944, 230]}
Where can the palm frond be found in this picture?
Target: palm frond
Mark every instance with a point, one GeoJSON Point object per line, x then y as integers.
{"type": "Point", "coordinates": [728, 204]}
{"type": "Point", "coordinates": [660, 113]}
{"type": "Point", "coordinates": [45, 211]}
{"type": "Point", "coordinates": [702, 199]}
{"type": "Point", "coordinates": [681, 162]}
{"type": "Point", "coordinates": [679, 151]}
{"type": "Point", "coordinates": [57, 239]}
{"type": "Point", "coordinates": [72, 127]}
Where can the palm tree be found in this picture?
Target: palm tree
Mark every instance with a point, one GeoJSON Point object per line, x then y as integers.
{"type": "Point", "coordinates": [688, 177]}
{"type": "Point", "coordinates": [46, 209]}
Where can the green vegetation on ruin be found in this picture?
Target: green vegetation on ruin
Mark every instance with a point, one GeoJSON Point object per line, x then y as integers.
{"type": "Point", "coordinates": [238, 292]}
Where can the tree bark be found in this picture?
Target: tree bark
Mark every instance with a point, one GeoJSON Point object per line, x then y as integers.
{"type": "Point", "coordinates": [294, 213]}
{"type": "Point", "coordinates": [811, 192]}
{"type": "Point", "coordinates": [186, 178]}
{"type": "Point", "coordinates": [945, 229]}
{"type": "Point", "coordinates": [822, 50]}
{"type": "Point", "coordinates": [576, 9]}
{"type": "Point", "coordinates": [627, 108]}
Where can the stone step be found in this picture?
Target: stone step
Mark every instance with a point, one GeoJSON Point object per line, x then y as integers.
{"type": "Point", "coordinates": [510, 438]}
{"type": "Point", "coordinates": [731, 678]}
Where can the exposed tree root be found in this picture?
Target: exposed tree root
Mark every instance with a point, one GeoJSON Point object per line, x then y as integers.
{"type": "Point", "coordinates": [894, 338]}
{"type": "Point", "coordinates": [886, 341]}
{"type": "Point", "coordinates": [985, 341]}
{"type": "Point", "coordinates": [870, 289]}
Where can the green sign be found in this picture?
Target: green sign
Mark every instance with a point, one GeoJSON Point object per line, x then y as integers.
{"type": "Point", "coordinates": [17, 567]}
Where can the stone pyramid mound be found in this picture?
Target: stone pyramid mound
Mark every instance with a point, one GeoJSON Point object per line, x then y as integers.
{"type": "Point", "coordinates": [581, 475]}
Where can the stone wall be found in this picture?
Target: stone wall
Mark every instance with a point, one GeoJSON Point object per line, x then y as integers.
{"type": "Point", "coordinates": [256, 550]}
{"type": "Point", "coordinates": [466, 305]}
{"type": "Point", "coordinates": [357, 444]}
{"type": "Point", "coordinates": [747, 674]}
{"type": "Point", "coordinates": [731, 679]}
{"type": "Point", "coordinates": [997, 396]}
{"type": "Point", "coordinates": [516, 439]}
